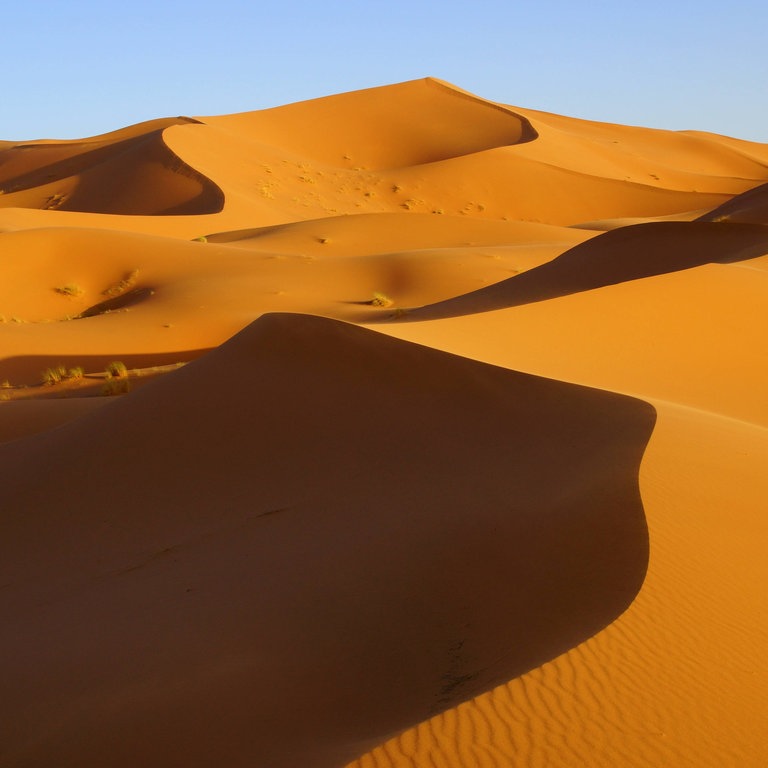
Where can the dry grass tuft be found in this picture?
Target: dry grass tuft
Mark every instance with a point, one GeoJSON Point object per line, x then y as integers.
{"type": "Point", "coordinates": [116, 370]}
{"type": "Point", "coordinates": [116, 387]}
{"type": "Point", "coordinates": [54, 375]}
{"type": "Point", "coordinates": [381, 300]}
{"type": "Point", "coordinates": [71, 289]}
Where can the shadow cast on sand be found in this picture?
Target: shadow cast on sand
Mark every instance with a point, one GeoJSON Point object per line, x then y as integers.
{"type": "Point", "coordinates": [617, 256]}
{"type": "Point", "coordinates": [750, 206]}
{"type": "Point", "coordinates": [362, 533]}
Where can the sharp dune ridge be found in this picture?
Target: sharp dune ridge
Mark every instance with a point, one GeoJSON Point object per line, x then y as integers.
{"type": "Point", "coordinates": [390, 429]}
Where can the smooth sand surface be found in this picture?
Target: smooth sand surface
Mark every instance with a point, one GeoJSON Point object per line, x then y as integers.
{"type": "Point", "coordinates": [440, 440]}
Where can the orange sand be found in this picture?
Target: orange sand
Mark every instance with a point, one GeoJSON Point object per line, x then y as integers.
{"type": "Point", "coordinates": [442, 441]}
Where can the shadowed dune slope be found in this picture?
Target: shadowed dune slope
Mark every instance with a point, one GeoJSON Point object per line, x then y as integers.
{"type": "Point", "coordinates": [750, 207]}
{"type": "Point", "coordinates": [361, 534]}
{"type": "Point", "coordinates": [24, 418]}
{"type": "Point", "coordinates": [126, 172]}
{"type": "Point", "coordinates": [617, 256]}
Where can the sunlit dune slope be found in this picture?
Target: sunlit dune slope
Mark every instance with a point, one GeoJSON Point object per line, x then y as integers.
{"type": "Point", "coordinates": [199, 594]}
{"type": "Point", "coordinates": [422, 146]}
{"type": "Point", "coordinates": [415, 123]}
{"type": "Point", "coordinates": [428, 146]}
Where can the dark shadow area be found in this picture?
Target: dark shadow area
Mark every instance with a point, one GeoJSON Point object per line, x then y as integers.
{"type": "Point", "coordinates": [617, 256]}
{"type": "Point", "coordinates": [123, 301]}
{"type": "Point", "coordinates": [748, 207]}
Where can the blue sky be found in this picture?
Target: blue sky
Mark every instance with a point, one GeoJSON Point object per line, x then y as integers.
{"type": "Point", "coordinates": [74, 69]}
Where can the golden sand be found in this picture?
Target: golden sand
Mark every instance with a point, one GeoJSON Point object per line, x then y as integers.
{"type": "Point", "coordinates": [439, 441]}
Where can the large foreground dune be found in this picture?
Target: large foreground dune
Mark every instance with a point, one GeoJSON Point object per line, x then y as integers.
{"type": "Point", "coordinates": [438, 438]}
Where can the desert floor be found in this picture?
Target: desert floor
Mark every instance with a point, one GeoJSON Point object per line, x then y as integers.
{"type": "Point", "coordinates": [393, 429]}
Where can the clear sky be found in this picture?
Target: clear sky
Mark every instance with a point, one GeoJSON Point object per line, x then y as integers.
{"type": "Point", "coordinates": [74, 68]}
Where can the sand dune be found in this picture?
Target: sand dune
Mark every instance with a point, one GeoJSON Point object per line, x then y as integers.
{"type": "Point", "coordinates": [439, 439]}
{"type": "Point", "coordinates": [126, 172]}
{"type": "Point", "coordinates": [556, 536]}
{"type": "Point", "coordinates": [618, 256]}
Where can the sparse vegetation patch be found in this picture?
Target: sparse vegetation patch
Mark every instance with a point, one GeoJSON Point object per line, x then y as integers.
{"type": "Point", "coordinates": [116, 387]}
{"type": "Point", "coordinates": [117, 370]}
{"type": "Point", "coordinates": [54, 375]}
{"type": "Point", "coordinates": [381, 300]}
{"type": "Point", "coordinates": [70, 289]}
{"type": "Point", "coordinates": [58, 373]}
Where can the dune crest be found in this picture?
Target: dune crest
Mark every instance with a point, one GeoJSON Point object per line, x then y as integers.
{"type": "Point", "coordinates": [387, 127]}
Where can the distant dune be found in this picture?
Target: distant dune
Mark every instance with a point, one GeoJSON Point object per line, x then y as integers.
{"type": "Point", "coordinates": [393, 429]}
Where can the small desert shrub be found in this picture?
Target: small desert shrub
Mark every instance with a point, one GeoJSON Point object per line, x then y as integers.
{"type": "Point", "coordinates": [71, 289]}
{"type": "Point", "coordinates": [5, 384]}
{"type": "Point", "coordinates": [117, 370]}
{"type": "Point", "coordinates": [54, 375]}
{"type": "Point", "coordinates": [54, 201]}
{"type": "Point", "coordinates": [381, 300]}
{"type": "Point", "coordinates": [75, 374]}
{"type": "Point", "coordinates": [116, 387]}
{"type": "Point", "coordinates": [201, 239]}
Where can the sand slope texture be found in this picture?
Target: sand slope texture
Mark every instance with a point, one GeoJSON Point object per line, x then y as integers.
{"type": "Point", "coordinates": [392, 429]}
